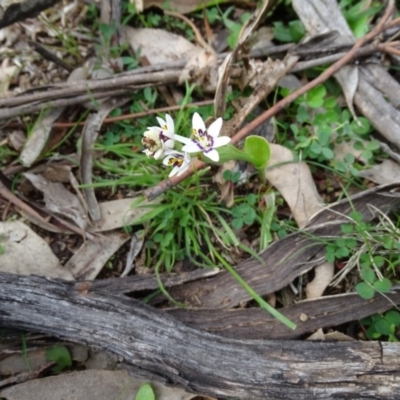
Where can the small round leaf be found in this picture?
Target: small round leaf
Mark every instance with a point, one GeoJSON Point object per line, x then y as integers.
{"type": "Point", "coordinates": [365, 291]}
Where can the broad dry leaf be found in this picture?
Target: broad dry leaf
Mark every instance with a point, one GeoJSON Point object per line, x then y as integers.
{"type": "Point", "coordinates": [386, 172]}
{"type": "Point", "coordinates": [39, 135]}
{"type": "Point", "coordinates": [25, 253]}
{"type": "Point", "coordinates": [90, 259]}
{"type": "Point", "coordinates": [323, 277]}
{"type": "Point", "coordinates": [317, 335]}
{"type": "Point", "coordinates": [59, 200]}
{"type": "Point", "coordinates": [294, 181]}
{"type": "Point", "coordinates": [137, 242]}
{"type": "Point", "coordinates": [158, 45]}
{"type": "Point", "coordinates": [350, 87]}
{"type": "Point", "coordinates": [90, 385]}
{"type": "Point", "coordinates": [119, 213]}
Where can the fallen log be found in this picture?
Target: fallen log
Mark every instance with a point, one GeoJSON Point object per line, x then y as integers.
{"type": "Point", "coordinates": [160, 347]}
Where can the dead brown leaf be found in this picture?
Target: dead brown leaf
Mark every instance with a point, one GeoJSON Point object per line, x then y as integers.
{"type": "Point", "coordinates": [26, 253]}
{"type": "Point", "coordinates": [89, 260]}
{"type": "Point", "coordinates": [59, 200]}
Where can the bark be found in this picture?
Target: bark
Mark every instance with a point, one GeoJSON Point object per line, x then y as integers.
{"type": "Point", "coordinates": [12, 11]}
{"type": "Point", "coordinates": [160, 347]}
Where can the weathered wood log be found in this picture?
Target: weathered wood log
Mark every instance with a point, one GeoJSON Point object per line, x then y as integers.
{"type": "Point", "coordinates": [309, 315]}
{"type": "Point", "coordinates": [158, 346]}
{"type": "Point", "coordinates": [12, 11]}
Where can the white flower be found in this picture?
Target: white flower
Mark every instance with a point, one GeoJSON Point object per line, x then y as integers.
{"type": "Point", "coordinates": [180, 162]}
{"type": "Point", "coordinates": [168, 125]}
{"type": "Point", "coordinates": [157, 142]}
{"type": "Point", "coordinates": [205, 140]}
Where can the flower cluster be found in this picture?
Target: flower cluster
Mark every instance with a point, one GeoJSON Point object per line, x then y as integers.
{"type": "Point", "coordinates": [160, 142]}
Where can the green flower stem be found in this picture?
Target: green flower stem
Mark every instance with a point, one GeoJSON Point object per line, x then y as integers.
{"type": "Point", "coordinates": [261, 175]}
{"type": "Point", "coordinates": [262, 303]}
{"type": "Point", "coordinates": [230, 152]}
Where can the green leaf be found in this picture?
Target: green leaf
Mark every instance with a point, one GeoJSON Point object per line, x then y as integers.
{"type": "Point", "coordinates": [302, 114]}
{"type": "Point", "coordinates": [248, 219]}
{"type": "Point", "coordinates": [327, 153]}
{"type": "Point", "coordinates": [145, 393]}
{"type": "Point", "coordinates": [379, 261]}
{"type": "Point", "coordinates": [330, 257]}
{"type": "Point", "coordinates": [351, 243]}
{"type": "Point", "coordinates": [368, 275]}
{"type": "Point", "coordinates": [297, 30]}
{"type": "Point", "coordinates": [349, 158]}
{"type": "Point", "coordinates": [315, 147]}
{"type": "Point", "coordinates": [342, 252]}
{"type": "Point", "coordinates": [347, 228]}
{"type": "Point", "coordinates": [237, 223]}
{"type": "Point", "coordinates": [383, 285]}
{"type": "Point", "coordinates": [365, 291]}
{"type": "Point", "coordinates": [363, 129]}
{"type": "Point", "coordinates": [373, 145]}
{"type": "Point", "coordinates": [372, 334]}
{"type": "Point", "coordinates": [367, 154]}
{"type": "Point", "coordinates": [383, 327]}
{"type": "Point", "coordinates": [324, 136]}
{"type": "Point", "coordinates": [393, 317]}
{"type": "Point", "coordinates": [340, 242]}
{"type": "Point", "coordinates": [60, 355]}
{"type": "Point", "coordinates": [258, 149]}
{"type": "Point", "coordinates": [282, 33]}
{"type": "Point", "coordinates": [315, 97]}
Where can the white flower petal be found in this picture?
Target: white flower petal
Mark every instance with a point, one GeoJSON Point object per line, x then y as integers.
{"type": "Point", "coordinates": [215, 128]}
{"type": "Point", "coordinates": [174, 171]}
{"type": "Point", "coordinates": [170, 123]}
{"type": "Point", "coordinates": [182, 139]}
{"type": "Point", "coordinates": [162, 123]}
{"type": "Point", "coordinates": [212, 155]}
{"type": "Point", "coordinates": [191, 147]}
{"type": "Point", "coordinates": [221, 141]}
{"type": "Point", "coordinates": [183, 169]}
{"type": "Point", "coordinates": [198, 123]}
{"type": "Point", "coordinates": [158, 154]}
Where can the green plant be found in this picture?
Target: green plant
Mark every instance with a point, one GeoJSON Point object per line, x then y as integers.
{"type": "Point", "coordinates": [382, 326]}
{"type": "Point", "coordinates": [373, 249]}
{"type": "Point", "coordinates": [145, 392]}
{"type": "Point", "coordinates": [293, 32]}
{"type": "Point", "coordinates": [214, 14]}
{"type": "Point", "coordinates": [358, 14]}
{"type": "Point", "coordinates": [318, 124]}
{"type": "Point", "coordinates": [231, 176]}
{"type": "Point", "coordinates": [61, 356]}
{"type": "Point", "coordinates": [245, 213]}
